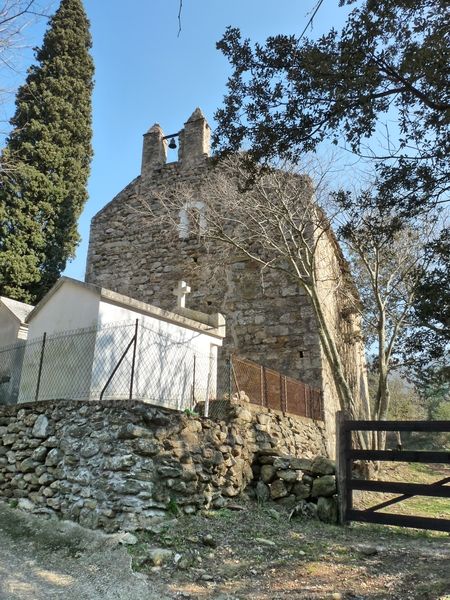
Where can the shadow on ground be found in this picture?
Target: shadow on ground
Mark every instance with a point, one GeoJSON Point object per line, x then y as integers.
{"type": "Point", "coordinates": [43, 559]}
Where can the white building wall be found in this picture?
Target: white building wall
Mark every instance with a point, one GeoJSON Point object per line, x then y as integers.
{"type": "Point", "coordinates": [174, 366]}
{"type": "Point", "coordinates": [12, 335]}
{"type": "Point", "coordinates": [9, 327]}
{"type": "Point", "coordinates": [68, 357]}
{"type": "Point", "coordinates": [70, 307]}
{"type": "Point", "coordinates": [86, 338]}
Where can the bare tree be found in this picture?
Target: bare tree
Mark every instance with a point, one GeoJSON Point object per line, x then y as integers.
{"type": "Point", "coordinates": [277, 223]}
{"type": "Point", "coordinates": [15, 16]}
{"type": "Point", "coordinates": [388, 259]}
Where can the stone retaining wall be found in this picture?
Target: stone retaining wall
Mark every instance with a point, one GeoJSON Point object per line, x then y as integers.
{"type": "Point", "coordinates": [306, 485]}
{"type": "Point", "coordinates": [124, 464]}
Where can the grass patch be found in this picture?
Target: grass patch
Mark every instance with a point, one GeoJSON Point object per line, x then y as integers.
{"type": "Point", "coordinates": [424, 506]}
{"type": "Point", "coordinates": [257, 555]}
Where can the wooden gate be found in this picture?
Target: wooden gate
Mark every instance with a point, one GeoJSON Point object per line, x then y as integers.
{"type": "Point", "coordinates": [346, 454]}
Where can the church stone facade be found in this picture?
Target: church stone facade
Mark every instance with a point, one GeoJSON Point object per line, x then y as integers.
{"type": "Point", "coordinates": [269, 319]}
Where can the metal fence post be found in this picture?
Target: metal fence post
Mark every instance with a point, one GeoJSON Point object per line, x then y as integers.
{"type": "Point", "coordinates": [261, 376]}
{"type": "Point", "coordinates": [208, 382]}
{"type": "Point", "coordinates": [41, 362]}
{"type": "Point", "coordinates": [307, 402]}
{"type": "Point", "coordinates": [114, 371]}
{"type": "Point", "coordinates": [230, 376]}
{"type": "Point", "coordinates": [193, 381]}
{"type": "Point", "coordinates": [265, 390]}
{"type": "Point", "coordinates": [281, 393]}
{"type": "Point", "coordinates": [133, 361]}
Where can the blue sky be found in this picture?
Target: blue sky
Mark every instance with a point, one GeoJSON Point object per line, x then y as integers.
{"type": "Point", "coordinates": [146, 74]}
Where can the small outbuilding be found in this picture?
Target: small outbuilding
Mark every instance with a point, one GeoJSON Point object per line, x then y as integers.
{"type": "Point", "coordinates": [87, 342]}
{"type": "Point", "coordinates": [13, 324]}
{"type": "Point", "coordinates": [13, 333]}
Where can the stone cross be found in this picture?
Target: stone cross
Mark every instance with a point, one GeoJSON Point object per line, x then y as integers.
{"type": "Point", "coordinates": [181, 291]}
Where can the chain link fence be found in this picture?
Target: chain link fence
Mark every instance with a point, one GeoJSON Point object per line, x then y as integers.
{"type": "Point", "coordinates": [126, 361]}
{"type": "Point", "coordinates": [131, 361]}
{"type": "Point", "coordinates": [11, 359]}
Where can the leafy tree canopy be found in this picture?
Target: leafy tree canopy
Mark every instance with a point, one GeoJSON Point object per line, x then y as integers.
{"type": "Point", "coordinates": [426, 344]}
{"type": "Point", "coordinates": [388, 65]}
{"type": "Point", "coordinates": [45, 165]}
{"type": "Point", "coordinates": [390, 61]}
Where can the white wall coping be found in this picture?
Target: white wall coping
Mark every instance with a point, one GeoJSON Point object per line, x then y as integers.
{"type": "Point", "coordinates": [213, 325]}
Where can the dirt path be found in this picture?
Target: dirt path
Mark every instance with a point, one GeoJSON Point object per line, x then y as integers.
{"type": "Point", "coordinates": [254, 553]}
{"type": "Point", "coordinates": [44, 559]}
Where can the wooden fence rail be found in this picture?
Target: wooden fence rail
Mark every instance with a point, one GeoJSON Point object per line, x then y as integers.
{"type": "Point", "coordinates": [346, 454]}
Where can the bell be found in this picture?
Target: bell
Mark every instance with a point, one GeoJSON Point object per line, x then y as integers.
{"type": "Point", "coordinates": [172, 144]}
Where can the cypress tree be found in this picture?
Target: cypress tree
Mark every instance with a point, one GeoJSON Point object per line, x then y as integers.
{"type": "Point", "coordinates": [46, 161]}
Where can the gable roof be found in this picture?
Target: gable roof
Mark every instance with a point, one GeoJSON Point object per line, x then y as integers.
{"type": "Point", "coordinates": [19, 310]}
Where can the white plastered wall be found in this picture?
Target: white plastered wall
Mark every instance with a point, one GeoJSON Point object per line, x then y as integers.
{"type": "Point", "coordinates": [67, 358]}
{"type": "Point", "coordinates": [174, 365]}
{"type": "Point", "coordinates": [71, 307]}
{"type": "Point", "coordinates": [9, 327]}
{"type": "Point", "coordinates": [86, 337]}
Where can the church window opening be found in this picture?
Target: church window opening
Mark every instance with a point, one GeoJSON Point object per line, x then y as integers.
{"type": "Point", "coordinates": [192, 219]}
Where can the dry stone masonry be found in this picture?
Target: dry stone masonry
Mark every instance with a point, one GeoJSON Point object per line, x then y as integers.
{"type": "Point", "coordinates": [308, 486]}
{"type": "Point", "coordinates": [123, 465]}
{"type": "Point", "coordinates": [269, 320]}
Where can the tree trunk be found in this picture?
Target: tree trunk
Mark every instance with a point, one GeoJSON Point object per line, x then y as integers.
{"type": "Point", "coordinates": [383, 396]}
{"type": "Point", "coordinates": [347, 402]}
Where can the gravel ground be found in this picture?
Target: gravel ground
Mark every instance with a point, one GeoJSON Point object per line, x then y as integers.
{"type": "Point", "coordinates": [43, 559]}
{"type": "Point", "coordinates": [249, 553]}
{"type": "Point", "coordinates": [257, 553]}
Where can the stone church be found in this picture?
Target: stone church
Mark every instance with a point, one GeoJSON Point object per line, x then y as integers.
{"type": "Point", "coordinates": [269, 320]}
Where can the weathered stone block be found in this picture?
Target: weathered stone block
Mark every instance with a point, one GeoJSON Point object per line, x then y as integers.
{"type": "Point", "coordinates": [53, 457]}
{"type": "Point", "coordinates": [129, 486]}
{"type": "Point", "coordinates": [324, 486]}
{"type": "Point", "coordinates": [267, 473]}
{"type": "Point", "coordinates": [120, 463]}
{"type": "Point", "coordinates": [90, 449]}
{"type": "Point", "coordinates": [25, 504]}
{"type": "Point", "coordinates": [39, 454]}
{"type": "Point", "coordinates": [288, 475]}
{"type": "Point", "coordinates": [282, 463]}
{"type": "Point", "coordinates": [28, 465]}
{"type": "Point", "coordinates": [130, 431]}
{"type": "Point", "coordinates": [159, 556]}
{"type": "Point", "coordinates": [188, 473]}
{"type": "Point", "coordinates": [301, 490]}
{"type": "Point", "coordinates": [278, 489]}
{"type": "Point", "coordinates": [323, 466]}
{"type": "Point", "coordinates": [167, 471]}
{"type": "Point", "coordinates": [146, 447]}
{"type": "Point", "coordinates": [327, 509]}
{"type": "Point", "coordinates": [302, 464]}
{"type": "Point", "coordinates": [45, 479]}
{"type": "Point", "coordinates": [41, 427]}
{"type": "Point", "coordinates": [242, 414]}
{"type": "Point", "coordinates": [9, 439]}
